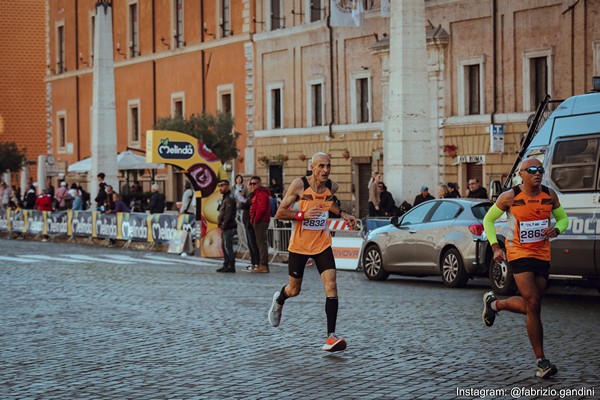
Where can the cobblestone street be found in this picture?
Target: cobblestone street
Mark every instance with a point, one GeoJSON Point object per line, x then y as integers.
{"type": "Point", "coordinates": [163, 326]}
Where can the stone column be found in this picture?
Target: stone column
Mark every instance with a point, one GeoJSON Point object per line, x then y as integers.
{"type": "Point", "coordinates": [409, 145]}
{"type": "Point", "coordinates": [104, 117]}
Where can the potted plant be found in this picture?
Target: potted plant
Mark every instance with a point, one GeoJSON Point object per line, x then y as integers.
{"type": "Point", "coordinates": [302, 157]}
{"type": "Point", "coordinates": [450, 149]}
{"type": "Point", "coordinates": [346, 153]}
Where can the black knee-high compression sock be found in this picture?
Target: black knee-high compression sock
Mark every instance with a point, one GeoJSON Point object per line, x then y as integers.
{"type": "Point", "coordinates": [331, 309]}
{"type": "Point", "coordinates": [282, 296]}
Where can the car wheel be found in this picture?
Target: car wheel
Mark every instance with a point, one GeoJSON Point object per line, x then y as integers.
{"type": "Point", "coordinates": [372, 264]}
{"type": "Point", "coordinates": [453, 270]}
{"type": "Point", "coordinates": [501, 279]}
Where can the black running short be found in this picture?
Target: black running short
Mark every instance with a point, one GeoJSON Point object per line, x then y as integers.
{"type": "Point", "coordinates": [537, 266]}
{"type": "Point", "coordinates": [297, 262]}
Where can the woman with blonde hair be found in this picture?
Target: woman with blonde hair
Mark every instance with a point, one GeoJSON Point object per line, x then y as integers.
{"type": "Point", "coordinates": [443, 191]}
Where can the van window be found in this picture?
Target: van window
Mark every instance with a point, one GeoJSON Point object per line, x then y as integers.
{"type": "Point", "coordinates": [575, 164]}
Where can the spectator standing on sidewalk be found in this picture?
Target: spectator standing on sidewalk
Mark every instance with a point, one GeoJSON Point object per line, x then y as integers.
{"type": "Point", "coordinates": [118, 204]}
{"type": "Point", "coordinates": [226, 222]}
{"type": "Point", "coordinates": [453, 192]}
{"type": "Point", "coordinates": [61, 196]}
{"type": "Point", "coordinates": [423, 196]}
{"type": "Point", "coordinates": [374, 194]}
{"type": "Point", "coordinates": [476, 191]}
{"type": "Point", "coordinates": [30, 196]}
{"type": "Point", "coordinates": [157, 200]}
{"type": "Point", "coordinates": [44, 203]}
{"type": "Point", "coordinates": [260, 216]}
{"type": "Point", "coordinates": [101, 196]}
{"type": "Point", "coordinates": [250, 234]}
{"type": "Point", "coordinates": [188, 201]}
{"type": "Point", "coordinates": [239, 191]}
{"type": "Point", "coordinates": [6, 194]}
{"type": "Point", "coordinates": [77, 200]}
{"type": "Point", "coordinates": [387, 205]}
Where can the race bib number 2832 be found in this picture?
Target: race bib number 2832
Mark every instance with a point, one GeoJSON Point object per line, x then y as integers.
{"type": "Point", "coordinates": [315, 224]}
{"type": "Point", "coordinates": [532, 231]}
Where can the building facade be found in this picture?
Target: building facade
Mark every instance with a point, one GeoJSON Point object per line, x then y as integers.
{"type": "Point", "coordinates": [501, 59]}
{"type": "Point", "coordinates": [171, 57]}
{"type": "Point", "coordinates": [22, 69]}
{"type": "Point", "coordinates": [297, 85]}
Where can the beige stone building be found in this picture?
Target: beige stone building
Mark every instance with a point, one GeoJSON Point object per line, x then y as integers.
{"type": "Point", "coordinates": [489, 63]}
{"type": "Point", "coordinates": [319, 88]}
{"type": "Point", "coordinates": [500, 61]}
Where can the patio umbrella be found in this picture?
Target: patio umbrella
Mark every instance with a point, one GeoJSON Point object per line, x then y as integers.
{"type": "Point", "coordinates": [128, 160]}
{"type": "Point", "coordinates": [125, 161]}
{"type": "Point", "coordinates": [84, 165]}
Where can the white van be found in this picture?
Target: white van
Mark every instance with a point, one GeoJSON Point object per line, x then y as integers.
{"type": "Point", "coordinates": [568, 144]}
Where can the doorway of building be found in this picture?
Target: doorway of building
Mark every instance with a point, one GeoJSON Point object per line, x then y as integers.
{"type": "Point", "coordinates": [362, 174]}
{"type": "Point", "coordinates": [474, 171]}
{"type": "Point", "coordinates": [275, 176]}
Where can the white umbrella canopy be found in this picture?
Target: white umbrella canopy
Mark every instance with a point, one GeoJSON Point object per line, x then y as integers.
{"type": "Point", "coordinates": [84, 165]}
{"type": "Point", "coordinates": [125, 161]}
{"type": "Point", "coordinates": [128, 160]}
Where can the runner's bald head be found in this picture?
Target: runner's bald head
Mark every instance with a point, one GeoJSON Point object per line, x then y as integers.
{"type": "Point", "coordinates": [317, 156]}
{"type": "Point", "coordinates": [530, 162]}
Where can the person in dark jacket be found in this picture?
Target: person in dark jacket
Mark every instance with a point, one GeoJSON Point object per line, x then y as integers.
{"type": "Point", "coordinates": [157, 200]}
{"type": "Point", "coordinates": [387, 205]}
{"type": "Point", "coordinates": [453, 191]}
{"type": "Point", "coordinates": [226, 222]}
{"type": "Point", "coordinates": [260, 216]}
{"type": "Point", "coordinates": [118, 204]}
{"type": "Point", "coordinates": [423, 197]}
{"type": "Point", "coordinates": [476, 191]}
{"type": "Point", "coordinates": [29, 197]}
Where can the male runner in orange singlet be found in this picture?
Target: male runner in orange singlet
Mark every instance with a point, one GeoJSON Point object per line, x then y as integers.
{"type": "Point", "coordinates": [311, 239]}
{"type": "Point", "coordinates": [528, 207]}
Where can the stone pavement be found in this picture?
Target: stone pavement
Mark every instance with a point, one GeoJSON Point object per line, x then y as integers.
{"type": "Point", "coordinates": [178, 330]}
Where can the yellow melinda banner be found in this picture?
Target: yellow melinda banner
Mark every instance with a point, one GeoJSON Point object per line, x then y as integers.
{"type": "Point", "coordinates": [204, 170]}
{"type": "Point", "coordinates": [203, 167]}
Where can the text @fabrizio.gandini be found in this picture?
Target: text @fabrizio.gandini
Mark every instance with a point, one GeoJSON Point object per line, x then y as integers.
{"type": "Point", "coordinates": [517, 392]}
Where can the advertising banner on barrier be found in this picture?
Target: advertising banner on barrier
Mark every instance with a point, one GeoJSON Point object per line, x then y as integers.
{"type": "Point", "coordinates": [186, 222]}
{"type": "Point", "coordinates": [163, 227]}
{"type": "Point", "coordinates": [36, 222]}
{"type": "Point", "coordinates": [105, 225]}
{"type": "Point", "coordinates": [81, 223]}
{"type": "Point", "coordinates": [3, 220]}
{"type": "Point", "coordinates": [17, 222]}
{"type": "Point", "coordinates": [346, 251]}
{"type": "Point", "coordinates": [204, 170]}
{"type": "Point", "coordinates": [57, 223]}
{"type": "Point", "coordinates": [134, 226]}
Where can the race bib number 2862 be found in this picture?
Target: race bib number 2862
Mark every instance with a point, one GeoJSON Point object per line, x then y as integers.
{"type": "Point", "coordinates": [532, 231]}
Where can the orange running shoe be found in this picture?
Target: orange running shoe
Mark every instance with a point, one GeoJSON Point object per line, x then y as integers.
{"type": "Point", "coordinates": [334, 343]}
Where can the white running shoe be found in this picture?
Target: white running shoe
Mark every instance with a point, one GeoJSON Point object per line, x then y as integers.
{"type": "Point", "coordinates": [275, 311]}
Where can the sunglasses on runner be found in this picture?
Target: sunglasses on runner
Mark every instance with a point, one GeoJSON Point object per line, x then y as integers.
{"type": "Point", "coordinates": [533, 170]}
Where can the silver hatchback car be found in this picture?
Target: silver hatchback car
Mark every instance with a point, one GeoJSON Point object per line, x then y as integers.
{"type": "Point", "coordinates": [439, 237]}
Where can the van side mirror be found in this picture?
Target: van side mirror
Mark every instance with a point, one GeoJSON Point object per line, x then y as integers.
{"type": "Point", "coordinates": [394, 221]}
{"type": "Point", "coordinates": [495, 190]}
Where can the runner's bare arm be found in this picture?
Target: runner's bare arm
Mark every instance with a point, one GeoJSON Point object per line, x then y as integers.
{"type": "Point", "coordinates": [294, 190]}
{"type": "Point", "coordinates": [337, 210]}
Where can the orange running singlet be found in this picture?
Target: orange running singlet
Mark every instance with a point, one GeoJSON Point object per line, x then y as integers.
{"type": "Point", "coordinates": [527, 219]}
{"type": "Point", "coordinates": [311, 236]}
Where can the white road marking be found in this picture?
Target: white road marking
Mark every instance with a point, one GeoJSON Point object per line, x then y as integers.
{"type": "Point", "coordinates": [96, 259]}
